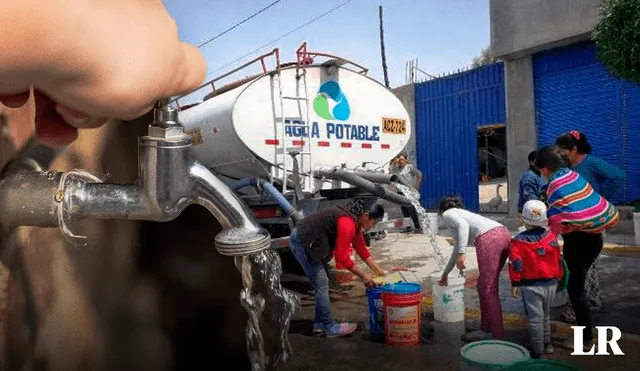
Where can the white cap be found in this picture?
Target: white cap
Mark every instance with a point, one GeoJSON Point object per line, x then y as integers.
{"type": "Point", "coordinates": [534, 213]}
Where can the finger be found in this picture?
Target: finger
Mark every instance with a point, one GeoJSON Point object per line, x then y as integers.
{"type": "Point", "coordinates": [51, 128]}
{"type": "Point", "coordinates": [78, 119]}
{"type": "Point", "coordinates": [139, 113]}
{"type": "Point", "coordinates": [72, 117]}
{"type": "Point", "coordinates": [191, 73]}
{"type": "Point", "coordinates": [54, 132]}
{"type": "Point", "coordinates": [15, 100]}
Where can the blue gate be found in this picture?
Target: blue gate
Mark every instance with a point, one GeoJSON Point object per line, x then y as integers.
{"type": "Point", "coordinates": [448, 112]}
{"type": "Point", "coordinates": [574, 91]}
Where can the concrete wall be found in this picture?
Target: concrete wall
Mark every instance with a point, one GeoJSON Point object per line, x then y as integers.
{"type": "Point", "coordinates": [406, 94]}
{"type": "Point", "coordinates": [521, 129]}
{"type": "Point", "coordinates": [522, 27]}
{"type": "Point", "coordinates": [518, 30]}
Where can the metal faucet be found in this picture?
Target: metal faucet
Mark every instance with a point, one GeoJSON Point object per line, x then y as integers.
{"type": "Point", "coordinates": [169, 180]}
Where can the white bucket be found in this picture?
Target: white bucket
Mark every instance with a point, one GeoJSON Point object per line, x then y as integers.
{"type": "Point", "coordinates": [636, 227]}
{"type": "Point", "coordinates": [432, 223]}
{"type": "Point", "coordinates": [448, 301]}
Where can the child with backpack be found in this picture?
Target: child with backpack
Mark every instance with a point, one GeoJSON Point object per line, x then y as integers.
{"type": "Point", "coordinates": [535, 266]}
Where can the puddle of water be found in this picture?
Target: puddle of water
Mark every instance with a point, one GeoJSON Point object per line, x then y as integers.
{"type": "Point", "coordinates": [449, 334]}
{"type": "Point", "coordinates": [270, 309]}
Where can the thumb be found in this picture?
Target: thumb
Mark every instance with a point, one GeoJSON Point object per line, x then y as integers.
{"type": "Point", "coordinates": [188, 76]}
{"type": "Point", "coordinates": [191, 72]}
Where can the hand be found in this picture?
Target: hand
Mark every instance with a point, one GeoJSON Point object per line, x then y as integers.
{"type": "Point", "coordinates": [380, 272]}
{"type": "Point", "coordinates": [460, 262]}
{"type": "Point", "coordinates": [93, 60]}
{"type": "Point", "coordinates": [368, 281]}
{"type": "Point", "coordinates": [514, 292]}
{"type": "Point", "coordinates": [444, 280]}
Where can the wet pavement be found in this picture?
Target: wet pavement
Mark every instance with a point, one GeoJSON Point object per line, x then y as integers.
{"type": "Point", "coordinates": [440, 348]}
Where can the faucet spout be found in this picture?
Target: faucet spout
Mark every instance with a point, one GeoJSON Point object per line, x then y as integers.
{"type": "Point", "coordinates": [170, 178]}
{"type": "Point", "coordinates": [241, 234]}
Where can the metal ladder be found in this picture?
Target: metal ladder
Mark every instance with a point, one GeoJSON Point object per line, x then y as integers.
{"type": "Point", "coordinates": [283, 149]}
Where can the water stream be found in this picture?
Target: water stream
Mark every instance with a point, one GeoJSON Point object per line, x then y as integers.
{"type": "Point", "coordinates": [270, 308]}
{"type": "Point", "coordinates": [425, 222]}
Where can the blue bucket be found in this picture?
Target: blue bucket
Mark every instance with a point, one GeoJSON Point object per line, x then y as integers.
{"type": "Point", "coordinates": [376, 313]}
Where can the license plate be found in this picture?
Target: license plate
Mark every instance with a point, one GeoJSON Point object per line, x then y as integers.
{"type": "Point", "coordinates": [394, 126]}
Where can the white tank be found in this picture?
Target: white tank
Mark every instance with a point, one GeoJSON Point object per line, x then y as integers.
{"type": "Point", "coordinates": [352, 120]}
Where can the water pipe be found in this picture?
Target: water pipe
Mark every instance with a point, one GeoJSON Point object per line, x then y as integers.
{"type": "Point", "coordinates": [364, 184]}
{"type": "Point", "coordinates": [383, 178]}
{"type": "Point", "coordinates": [169, 179]}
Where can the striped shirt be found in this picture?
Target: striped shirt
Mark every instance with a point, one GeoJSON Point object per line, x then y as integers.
{"type": "Point", "coordinates": [573, 205]}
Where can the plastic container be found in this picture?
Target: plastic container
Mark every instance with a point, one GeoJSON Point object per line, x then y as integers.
{"type": "Point", "coordinates": [394, 277]}
{"type": "Point", "coordinates": [492, 355]}
{"type": "Point", "coordinates": [376, 314]}
{"type": "Point", "coordinates": [542, 364]}
{"type": "Point", "coordinates": [402, 312]}
{"type": "Point", "coordinates": [448, 301]}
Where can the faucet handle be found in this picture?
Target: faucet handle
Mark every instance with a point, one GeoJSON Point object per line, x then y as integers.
{"type": "Point", "coordinates": [165, 124]}
{"type": "Point", "coordinates": [165, 117]}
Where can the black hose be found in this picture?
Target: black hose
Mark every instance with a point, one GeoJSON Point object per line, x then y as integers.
{"type": "Point", "coordinates": [365, 185]}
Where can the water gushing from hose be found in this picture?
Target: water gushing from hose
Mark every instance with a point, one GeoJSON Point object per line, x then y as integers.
{"type": "Point", "coordinates": [425, 223]}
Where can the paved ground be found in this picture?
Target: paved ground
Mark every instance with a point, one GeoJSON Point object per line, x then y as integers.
{"type": "Point", "coordinates": [440, 342]}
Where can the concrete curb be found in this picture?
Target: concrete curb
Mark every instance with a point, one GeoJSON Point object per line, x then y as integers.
{"type": "Point", "coordinates": [621, 248]}
{"type": "Point", "coordinates": [558, 329]}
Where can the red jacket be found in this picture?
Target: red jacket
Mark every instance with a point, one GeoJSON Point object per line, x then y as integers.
{"type": "Point", "coordinates": [534, 258]}
{"type": "Point", "coordinates": [349, 235]}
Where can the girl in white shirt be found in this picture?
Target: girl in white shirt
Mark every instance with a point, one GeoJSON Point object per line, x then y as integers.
{"type": "Point", "coordinates": [491, 240]}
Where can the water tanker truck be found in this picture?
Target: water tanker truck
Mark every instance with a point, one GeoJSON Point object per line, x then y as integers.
{"type": "Point", "coordinates": [300, 137]}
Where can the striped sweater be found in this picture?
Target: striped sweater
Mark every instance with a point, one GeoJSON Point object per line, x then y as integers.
{"type": "Point", "coordinates": [573, 205]}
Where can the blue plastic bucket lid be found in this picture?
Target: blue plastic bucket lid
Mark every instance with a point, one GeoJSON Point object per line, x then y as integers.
{"type": "Point", "coordinates": [492, 353]}
{"type": "Point", "coordinates": [401, 288]}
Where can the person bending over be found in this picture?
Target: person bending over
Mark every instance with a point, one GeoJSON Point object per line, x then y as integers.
{"type": "Point", "coordinates": [491, 240]}
{"type": "Point", "coordinates": [334, 231]}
